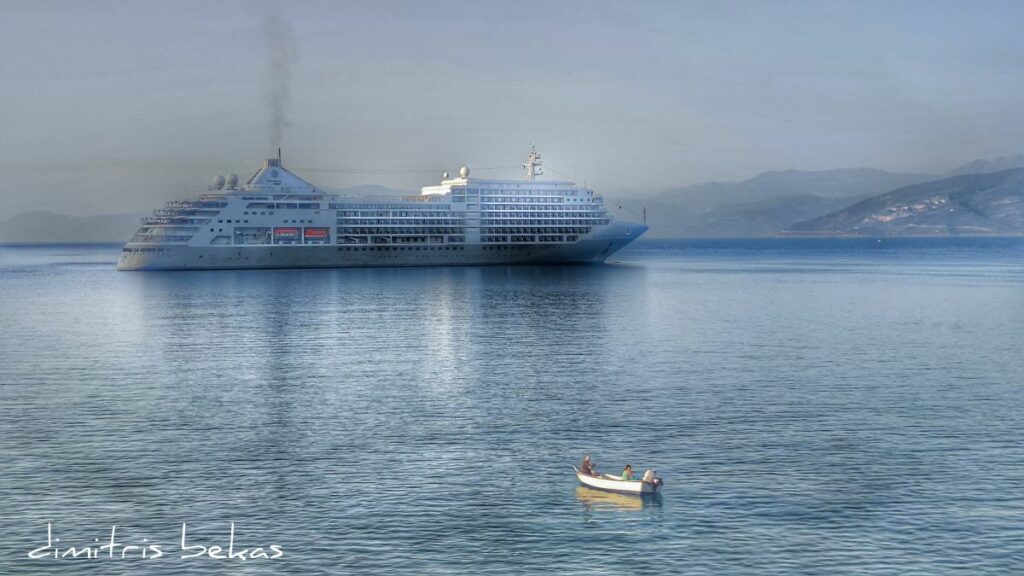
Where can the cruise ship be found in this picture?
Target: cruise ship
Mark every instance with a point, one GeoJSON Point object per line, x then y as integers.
{"type": "Point", "coordinates": [278, 220]}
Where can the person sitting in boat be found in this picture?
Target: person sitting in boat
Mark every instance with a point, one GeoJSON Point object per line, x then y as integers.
{"type": "Point", "coordinates": [588, 466]}
{"type": "Point", "coordinates": [627, 473]}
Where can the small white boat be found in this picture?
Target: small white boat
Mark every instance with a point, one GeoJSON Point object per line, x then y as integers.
{"type": "Point", "coordinates": [650, 484]}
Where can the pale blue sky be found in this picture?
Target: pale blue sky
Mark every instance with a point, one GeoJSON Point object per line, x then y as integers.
{"type": "Point", "coordinates": [117, 106]}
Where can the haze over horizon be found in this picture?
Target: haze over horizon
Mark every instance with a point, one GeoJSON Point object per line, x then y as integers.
{"type": "Point", "coordinates": [114, 107]}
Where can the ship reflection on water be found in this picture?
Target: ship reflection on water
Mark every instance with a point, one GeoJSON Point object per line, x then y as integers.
{"type": "Point", "coordinates": [601, 501]}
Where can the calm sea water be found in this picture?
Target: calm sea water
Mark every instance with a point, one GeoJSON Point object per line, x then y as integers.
{"type": "Point", "coordinates": [815, 407]}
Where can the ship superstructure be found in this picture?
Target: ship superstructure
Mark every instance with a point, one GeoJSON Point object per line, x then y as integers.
{"type": "Point", "coordinates": [278, 220]}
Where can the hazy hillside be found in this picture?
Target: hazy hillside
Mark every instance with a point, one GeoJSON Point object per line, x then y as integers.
{"type": "Point", "coordinates": [839, 183]}
{"type": "Point", "coordinates": [51, 228]}
{"type": "Point", "coordinates": [763, 218]}
{"type": "Point", "coordinates": [991, 203]}
{"type": "Point", "coordinates": [762, 205]}
{"type": "Point", "coordinates": [985, 166]}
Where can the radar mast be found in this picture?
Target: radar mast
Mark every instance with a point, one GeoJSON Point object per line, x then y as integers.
{"type": "Point", "coordinates": [533, 164]}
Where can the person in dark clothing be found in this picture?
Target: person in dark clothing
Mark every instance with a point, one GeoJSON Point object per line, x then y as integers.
{"type": "Point", "coordinates": [588, 466]}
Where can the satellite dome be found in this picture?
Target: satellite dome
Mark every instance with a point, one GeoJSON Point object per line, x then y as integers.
{"type": "Point", "coordinates": [445, 176]}
{"type": "Point", "coordinates": [232, 180]}
{"type": "Point", "coordinates": [464, 171]}
{"type": "Point", "coordinates": [218, 181]}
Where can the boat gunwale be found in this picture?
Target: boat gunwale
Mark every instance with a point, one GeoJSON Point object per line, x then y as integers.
{"type": "Point", "coordinates": [635, 491]}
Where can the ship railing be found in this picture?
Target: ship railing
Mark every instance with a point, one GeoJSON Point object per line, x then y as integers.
{"type": "Point", "coordinates": [169, 212]}
{"type": "Point", "coordinates": [378, 198]}
{"type": "Point", "coordinates": [173, 220]}
{"type": "Point", "coordinates": [189, 207]}
{"type": "Point", "coordinates": [160, 239]}
{"type": "Point", "coordinates": [193, 204]}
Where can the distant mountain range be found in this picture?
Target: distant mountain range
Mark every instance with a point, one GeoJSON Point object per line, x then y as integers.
{"type": "Point", "coordinates": [984, 166]}
{"type": "Point", "coordinates": [763, 205]}
{"type": "Point", "coordinates": [987, 203]}
{"type": "Point", "coordinates": [50, 228]}
{"type": "Point", "coordinates": [981, 197]}
{"type": "Point", "coordinates": [859, 201]}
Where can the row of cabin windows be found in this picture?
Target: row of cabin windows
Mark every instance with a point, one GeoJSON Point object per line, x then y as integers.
{"type": "Point", "coordinates": [369, 230]}
{"type": "Point", "coordinates": [411, 221]}
{"type": "Point", "coordinates": [544, 211]}
{"type": "Point", "coordinates": [418, 205]}
{"type": "Point", "coordinates": [246, 221]}
{"type": "Point", "coordinates": [532, 189]}
{"type": "Point", "coordinates": [396, 248]}
{"type": "Point", "coordinates": [527, 238]}
{"type": "Point", "coordinates": [283, 206]}
{"type": "Point", "coordinates": [400, 213]}
{"type": "Point", "coordinates": [551, 221]}
{"type": "Point", "coordinates": [529, 230]}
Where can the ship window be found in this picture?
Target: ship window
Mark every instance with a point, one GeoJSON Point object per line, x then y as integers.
{"type": "Point", "coordinates": [220, 221]}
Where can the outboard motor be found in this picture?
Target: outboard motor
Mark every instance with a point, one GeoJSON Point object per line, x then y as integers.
{"type": "Point", "coordinates": [649, 476]}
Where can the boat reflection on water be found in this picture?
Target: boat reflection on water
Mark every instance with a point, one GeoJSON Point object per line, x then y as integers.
{"type": "Point", "coordinates": [600, 501]}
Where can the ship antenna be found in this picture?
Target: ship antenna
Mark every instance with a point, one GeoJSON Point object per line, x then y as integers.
{"type": "Point", "coordinates": [278, 155]}
{"type": "Point", "coordinates": [533, 163]}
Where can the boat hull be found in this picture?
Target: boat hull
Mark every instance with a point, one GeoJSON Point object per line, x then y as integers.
{"type": "Point", "coordinates": [637, 487]}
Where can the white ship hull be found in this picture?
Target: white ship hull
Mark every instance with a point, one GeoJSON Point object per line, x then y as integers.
{"type": "Point", "coordinates": [595, 249]}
